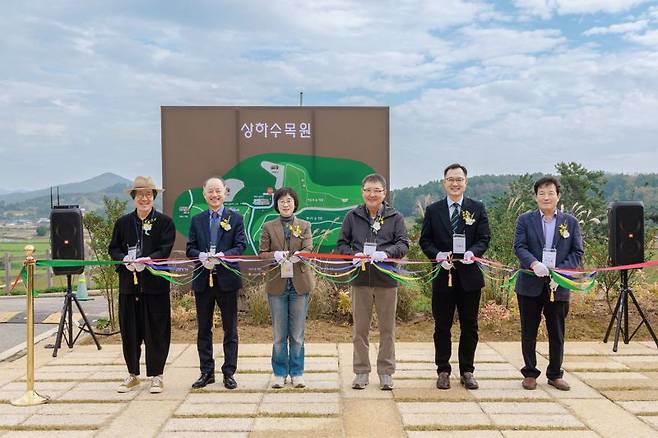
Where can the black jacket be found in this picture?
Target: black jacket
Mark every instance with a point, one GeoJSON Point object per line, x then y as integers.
{"type": "Point", "coordinates": [157, 243]}
{"type": "Point", "coordinates": [436, 236]}
{"type": "Point", "coordinates": [392, 238]}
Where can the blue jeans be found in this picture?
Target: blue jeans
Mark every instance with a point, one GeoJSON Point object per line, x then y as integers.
{"type": "Point", "coordinates": [288, 312]}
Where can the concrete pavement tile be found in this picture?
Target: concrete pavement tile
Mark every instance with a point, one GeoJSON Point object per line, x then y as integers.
{"type": "Point", "coordinates": [371, 391]}
{"type": "Point", "coordinates": [50, 434]}
{"type": "Point", "coordinates": [296, 434]}
{"type": "Point", "coordinates": [608, 419]}
{"type": "Point", "coordinates": [510, 394]}
{"type": "Point", "coordinates": [633, 394]}
{"type": "Point", "coordinates": [414, 383]}
{"type": "Point", "coordinates": [494, 367]}
{"type": "Point", "coordinates": [246, 381]}
{"type": "Point", "coordinates": [594, 366]}
{"type": "Point", "coordinates": [570, 358]}
{"type": "Point", "coordinates": [623, 384]}
{"type": "Point", "coordinates": [446, 421]}
{"type": "Point", "coordinates": [72, 420]}
{"type": "Point", "coordinates": [632, 349]}
{"type": "Point", "coordinates": [301, 397]}
{"type": "Point", "coordinates": [209, 424]}
{"type": "Point", "coordinates": [99, 396]}
{"type": "Point", "coordinates": [497, 374]}
{"type": "Point", "coordinates": [641, 407]}
{"type": "Point", "coordinates": [197, 434]}
{"type": "Point", "coordinates": [80, 408]}
{"type": "Point", "coordinates": [415, 374]}
{"type": "Point", "coordinates": [377, 418]}
{"type": "Point", "coordinates": [455, 434]}
{"type": "Point", "coordinates": [514, 383]}
{"type": "Point", "coordinates": [549, 434]}
{"type": "Point", "coordinates": [522, 408]}
{"type": "Point", "coordinates": [310, 425]}
{"type": "Point", "coordinates": [216, 409]}
{"type": "Point", "coordinates": [650, 420]}
{"type": "Point", "coordinates": [317, 349]}
{"type": "Point", "coordinates": [223, 397]}
{"type": "Point", "coordinates": [139, 419]}
{"type": "Point", "coordinates": [8, 420]}
{"type": "Point", "coordinates": [297, 408]}
{"type": "Point", "coordinates": [573, 348]}
{"type": "Point", "coordinates": [439, 408]}
{"type": "Point", "coordinates": [6, 408]}
{"type": "Point", "coordinates": [535, 420]}
{"type": "Point", "coordinates": [188, 358]}
{"type": "Point", "coordinates": [400, 366]}
{"type": "Point", "coordinates": [177, 384]}
{"type": "Point", "coordinates": [258, 350]}
{"type": "Point", "coordinates": [456, 393]}
{"type": "Point", "coordinates": [587, 376]}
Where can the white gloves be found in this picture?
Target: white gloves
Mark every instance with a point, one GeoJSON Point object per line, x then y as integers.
{"type": "Point", "coordinates": [294, 258]}
{"type": "Point", "coordinates": [540, 269]}
{"type": "Point", "coordinates": [280, 255]}
{"type": "Point", "coordinates": [203, 257]}
{"type": "Point", "coordinates": [379, 256]}
{"type": "Point", "coordinates": [140, 263]}
{"type": "Point", "coordinates": [442, 257]}
{"type": "Point", "coordinates": [129, 264]}
{"type": "Point", "coordinates": [468, 258]}
{"type": "Point", "coordinates": [356, 261]}
{"type": "Point", "coordinates": [209, 260]}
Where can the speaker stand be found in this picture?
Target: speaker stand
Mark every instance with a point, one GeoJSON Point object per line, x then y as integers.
{"type": "Point", "coordinates": [67, 319]}
{"type": "Point", "coordinates": [620, 315]}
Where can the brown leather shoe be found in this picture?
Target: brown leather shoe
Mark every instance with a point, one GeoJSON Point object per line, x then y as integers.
{"type": "Point", "coordinates": [529, 383]}
{"type": "Point", "coordinates": [468, 381]}
{"type": "Point", "coordinates": [443, 382]}
{"type": "Point", "coordinates": [560, 384]}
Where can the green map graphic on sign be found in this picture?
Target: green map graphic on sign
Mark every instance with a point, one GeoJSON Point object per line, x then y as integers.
{"type": "Point", "coordinates": [327, 188]}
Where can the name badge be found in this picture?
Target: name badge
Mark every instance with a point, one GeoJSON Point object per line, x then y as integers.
{"type": "Point", "coordinates": [458, 243]}
{"type": "Point", "coordinates": [132, 252]}
{"type": "Point", "coordinates": [548, 257]}
{"type": "Point", "coordinates": [213, 250]}
{"type": "Point", "coordinates": [369, 248]}
{"type": "Point", "coordinates": [286, 269]}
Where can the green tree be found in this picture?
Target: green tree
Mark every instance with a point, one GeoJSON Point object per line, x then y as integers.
{"type": "Point", "coordinates": [42, 230]}
{"type": "Point", "coordinates": [581, 187]}
{"type": "Point", "coordinates": [100, 229]}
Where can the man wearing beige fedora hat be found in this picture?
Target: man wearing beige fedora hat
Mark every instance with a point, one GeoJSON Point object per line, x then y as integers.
{"type": "Point", "coordinates": [140, 237]}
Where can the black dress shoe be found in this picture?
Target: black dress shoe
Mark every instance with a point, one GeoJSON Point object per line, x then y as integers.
{"type": "Point", "coordinates": [229, 382]}
{"type": "Point", "coordinates": [203, 380]}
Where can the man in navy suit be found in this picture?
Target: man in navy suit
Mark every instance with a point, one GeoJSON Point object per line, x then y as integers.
{"type": "Point", "coordinates": [215, 233]}
{"type": "Point", "coordinates": [545, 239]}
{"type": "Point", "coordinates": [455, 229]}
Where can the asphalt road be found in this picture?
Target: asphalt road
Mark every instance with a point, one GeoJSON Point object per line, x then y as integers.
{"type": "Point", "coordinates": [14, 332]}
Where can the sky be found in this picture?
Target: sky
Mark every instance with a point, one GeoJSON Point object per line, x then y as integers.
{"type": "Point", "coordinates": [504, 87]}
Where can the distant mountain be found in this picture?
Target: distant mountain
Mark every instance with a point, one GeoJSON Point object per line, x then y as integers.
{"type": "Point", "coordinates": [91, 185]}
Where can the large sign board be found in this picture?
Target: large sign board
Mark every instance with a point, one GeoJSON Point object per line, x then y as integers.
{"type": "Point", "coordinates": [322, 152]}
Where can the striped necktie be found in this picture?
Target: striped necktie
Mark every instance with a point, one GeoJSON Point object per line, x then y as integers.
{"type": "Point", "coordinates": [454, 217]}
{"type": "Point", "coordinates": [214, 228]}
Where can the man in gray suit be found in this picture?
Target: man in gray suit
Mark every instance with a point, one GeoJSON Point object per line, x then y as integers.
{"type": "Point", "coordinates": [545, 239]}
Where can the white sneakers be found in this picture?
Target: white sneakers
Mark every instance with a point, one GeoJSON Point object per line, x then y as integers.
{"type": "Point", "coordinates": [279, 382]}
{"type": "Point", "coordinates": [131, 382]}
{"type": "Point", "coordinates": [296, 382]}
{"type": "Point", "coordinates": [157, 385]}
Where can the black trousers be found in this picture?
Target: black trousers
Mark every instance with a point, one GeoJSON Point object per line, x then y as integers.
{"type": "Point", "coordinates": [145, 318]}
{"type": "Point", "coordinates": [205, 309]}
{"type": "Point", "coordinates": [530, 310]}
{"type": "Point", "coordinates": [467, 303]}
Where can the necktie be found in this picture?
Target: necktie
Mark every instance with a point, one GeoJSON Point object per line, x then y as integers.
{"type": "Point", "coordinates": [214, 228]}
{"type": "Point", "coordinates": [454, 217]}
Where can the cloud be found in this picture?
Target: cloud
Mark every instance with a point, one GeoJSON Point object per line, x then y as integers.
{"type": "Point", "coordinates": [548, 8]}
{"type": "Point", "coordinates": [631, 26]}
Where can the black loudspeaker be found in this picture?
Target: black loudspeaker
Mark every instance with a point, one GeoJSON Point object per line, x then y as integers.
{"type": "Point", "coordinates": [626, 233]}
{"type": "Point", "coordinates": [67, 237]}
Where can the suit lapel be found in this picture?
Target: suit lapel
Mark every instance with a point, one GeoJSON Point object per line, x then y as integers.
{"type": "Point", "coordinates": [539, 229]}
{"type": "Point", "coordinates": [277, 233]}
{"type": "Point", "coordinates": [559, 217]}
{"type": "Point", "coordinates": [205, 226]}
{"type": "Point", "coordinates": [444, 215]}
{"type": "Point", "coordinates": [220, 232]}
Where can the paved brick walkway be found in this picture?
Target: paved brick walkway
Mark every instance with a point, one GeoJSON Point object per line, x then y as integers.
{"type": "Point", "coordinates": [613, 395]}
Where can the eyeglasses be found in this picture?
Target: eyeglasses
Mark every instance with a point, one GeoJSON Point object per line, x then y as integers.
{"type": "Point", "coordinates": [286, 201]}
{"type": "Point", "coordinates": [455, 180]}
{"type": "Point", "coordinates": [374, 191]}
{"type": "Point", "coordinates": [148, 195]}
